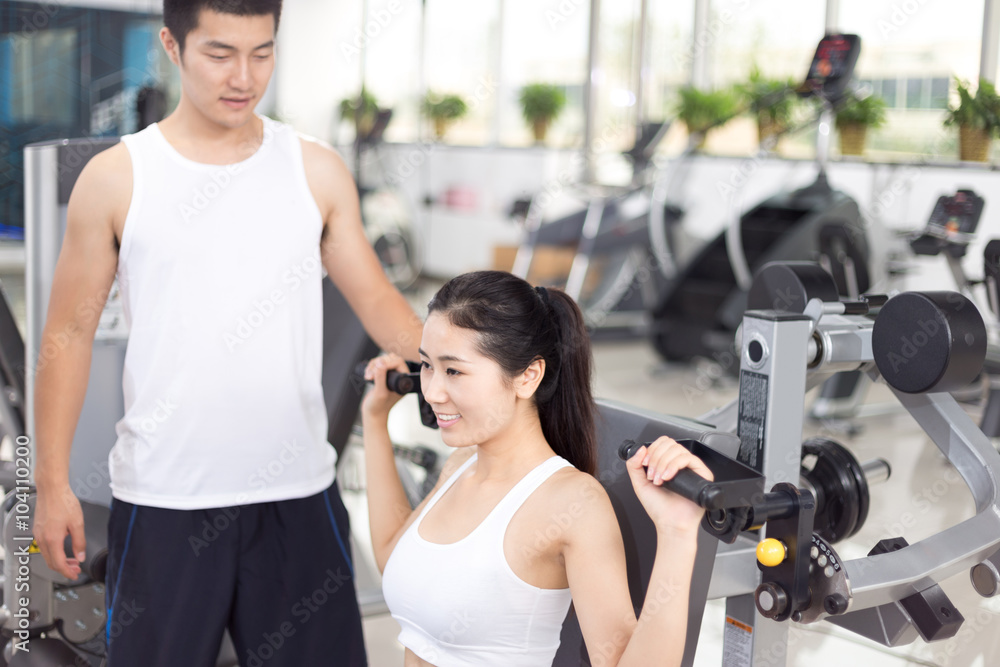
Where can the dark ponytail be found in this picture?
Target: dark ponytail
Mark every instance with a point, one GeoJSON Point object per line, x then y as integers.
{"type": "Point", "coordinates": [517, 324]}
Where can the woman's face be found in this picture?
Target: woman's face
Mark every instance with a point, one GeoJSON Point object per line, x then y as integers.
{"type": "Point", "coordinates": [473, 400]}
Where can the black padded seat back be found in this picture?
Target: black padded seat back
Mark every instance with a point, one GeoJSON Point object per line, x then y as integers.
{"type": "Point", "coordinates": [345, 345]}
{"type": "Point", "coordinates": [618, 422]}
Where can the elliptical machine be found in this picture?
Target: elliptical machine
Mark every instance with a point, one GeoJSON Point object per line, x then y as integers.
{"type": "Point", "coordinates": [701, 308]}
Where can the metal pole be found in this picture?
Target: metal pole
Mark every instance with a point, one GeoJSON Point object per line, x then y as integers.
{"type": "Point", "coordinates": [641, 70]}
{"type": "Point", "coordinates": [832, 16]}
{"type": "Point", "coordinates": [422, 71]}
{"type": "Point", "coordinates": [699, 49]}
{"type": "Point", "coordinates": [498, 70]}
{"type": "Point", "coordinates": [590, 89]}
{"type": "Point", "coordinates": [360, 101]}
{"type": "Point", "coordinates": [991, 41]}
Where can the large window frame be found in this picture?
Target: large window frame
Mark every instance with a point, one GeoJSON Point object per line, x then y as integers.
{"type": "Point", "coordinates": [698, 66]}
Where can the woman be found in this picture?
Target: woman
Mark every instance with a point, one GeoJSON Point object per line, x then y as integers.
{"type": "Point", "coordinates": [483, 570]}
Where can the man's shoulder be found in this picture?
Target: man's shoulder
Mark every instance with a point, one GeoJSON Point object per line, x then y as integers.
{"type": "Point", "coordinates": [323, 164]}
{"type": "Point", "coordinates": [110, 171]}
{"type": "Point", "coordinates": [317, 150]}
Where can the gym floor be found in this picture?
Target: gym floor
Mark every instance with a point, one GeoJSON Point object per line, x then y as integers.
{"type": "Point", "coordinates": [923, 496]}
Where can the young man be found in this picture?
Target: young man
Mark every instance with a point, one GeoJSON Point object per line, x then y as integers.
{"type": "Point", "coordinates": [217, 223]}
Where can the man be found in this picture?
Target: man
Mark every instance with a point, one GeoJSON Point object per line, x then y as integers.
{"type": "Point", "coordinates": [217, 223]}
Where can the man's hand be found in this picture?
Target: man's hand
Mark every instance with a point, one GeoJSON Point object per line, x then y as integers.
{"type": "Point", "coordinates": [58, 513]}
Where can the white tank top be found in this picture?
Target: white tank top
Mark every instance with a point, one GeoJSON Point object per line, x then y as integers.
{"type": "Point", "coordinates": [220, 277]}
{"type": "Point", "coordinates": [460, 604]}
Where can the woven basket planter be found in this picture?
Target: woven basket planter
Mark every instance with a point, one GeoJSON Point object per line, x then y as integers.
{"type": "Point", "coordinates": [852, 138]}
{"type": "Point", "coordinates": [973, 144]}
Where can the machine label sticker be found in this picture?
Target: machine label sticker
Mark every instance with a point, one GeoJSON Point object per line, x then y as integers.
{"type": "Point", "coordinates": [33, 547]}
{"type": "Point", "coordinates": [737, 643]}
{"type": "Point", "coordinates": [753, 413]}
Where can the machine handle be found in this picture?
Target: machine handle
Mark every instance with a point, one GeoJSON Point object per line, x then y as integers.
{"type": "Point", "coordinates": [686, 483]}
{"type": "Point", "coordinates": [401, 383]}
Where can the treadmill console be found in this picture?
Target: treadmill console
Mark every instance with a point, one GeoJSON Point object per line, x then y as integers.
{"type": "Point", "coordinates": [832, 66]}
{"type": "Point", "coordinates": [951, 225]}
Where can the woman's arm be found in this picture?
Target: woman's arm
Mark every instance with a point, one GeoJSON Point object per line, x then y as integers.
{"type": "Point", "coordinates": [388, 506]}
{"type": "Point", "coordinates": [389, 513]}
{"type": "Point", "coordinates": [595, 567]}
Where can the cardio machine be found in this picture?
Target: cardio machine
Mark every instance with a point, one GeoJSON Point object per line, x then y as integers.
{"type": "Point", "coordinates": [702, 306]}
{"type": "Point", "coordinates": [616, 275]}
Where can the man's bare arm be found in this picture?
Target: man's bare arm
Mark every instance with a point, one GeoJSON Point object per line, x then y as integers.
{"type": "Point", "coordinates": [350, 260]}
{"type": "Point", "coordinates": [83, 277]}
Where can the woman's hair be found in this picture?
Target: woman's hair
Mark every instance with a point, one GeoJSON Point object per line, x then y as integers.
{"type": "Point", "coordinates": [517, 324]}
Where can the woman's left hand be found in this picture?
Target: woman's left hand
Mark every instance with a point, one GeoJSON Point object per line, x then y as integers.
{"type": "Point", "coordinates": [650, 467]}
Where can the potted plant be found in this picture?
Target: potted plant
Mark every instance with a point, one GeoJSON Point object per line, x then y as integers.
{"type": "Point", "coordinates": [361, 110]}
{"type": "Point", "coordinates": [702, 110]}
{"type": "Point", "coordinates": [443, 110]}
{"type": "Point", "coordinates": [771, 100]}
{"type": "Point", "coordinates": [855, 117]}
{"type": "Point", "coordinates": [978, 119]}
{"type": "Point", "coordinates": [541, 103]}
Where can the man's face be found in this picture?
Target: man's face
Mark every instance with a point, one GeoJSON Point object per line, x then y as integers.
{"type": "Point", "coordinates": [226, 64]}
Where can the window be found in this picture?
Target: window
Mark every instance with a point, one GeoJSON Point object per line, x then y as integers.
{"type": "Point", "coordinates": [779, 38]}
{"type": "Point", "coordinates": [614, 113]}
{"type": "Point", "coordinates": [44, 74]}
{"type": "Point", "coordinates": [460, 55]}
{"type": "Point", "coordinates": [392, 65]}
{"type": "Point", "coordinates": [915, 49]}
{"type": "Point", "coordinates": [543, 43]}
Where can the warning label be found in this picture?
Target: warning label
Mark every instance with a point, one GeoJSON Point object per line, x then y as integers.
{"type": "Point", "coordinates": [753, 414]}
{"type": "Point", "coordinates": [737, 643]}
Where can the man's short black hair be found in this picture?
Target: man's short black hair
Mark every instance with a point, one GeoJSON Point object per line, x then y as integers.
{"type": "Point", "coordinates": [181, 16]}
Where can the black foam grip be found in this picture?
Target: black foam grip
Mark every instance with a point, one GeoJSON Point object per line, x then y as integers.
{"type": "Point", "coordinates": [401, 383]}
{"type": "Point", "coordinates": [686, 483]}
{"type": "Point", "coordinates": [929, 342]}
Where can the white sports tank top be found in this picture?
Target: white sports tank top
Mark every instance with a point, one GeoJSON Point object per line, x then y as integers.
{"type": "Point", "coordinates": [460, 604]}
{"type": "Point", "coordinates": [220, 277]}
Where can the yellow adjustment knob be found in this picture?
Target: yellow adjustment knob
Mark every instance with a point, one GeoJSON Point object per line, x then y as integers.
{"type": "Point", "coordinates": [771, 552]}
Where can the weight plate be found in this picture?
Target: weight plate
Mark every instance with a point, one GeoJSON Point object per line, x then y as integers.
{"type": "Point", "coordinates": [841, 481]}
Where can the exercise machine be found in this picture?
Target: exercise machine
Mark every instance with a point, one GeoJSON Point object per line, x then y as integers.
{"type": "Point", "coordinates": [922, 345]}
{"type": "Point", "coordinates": [950, 229]}
{"type": "Point", "coordinates": [703, 305]}
{"type": "Point", "coordinates": [615, 275]}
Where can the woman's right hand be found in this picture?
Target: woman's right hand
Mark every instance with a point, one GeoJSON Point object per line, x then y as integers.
{"type": "Point", "coordinates": [380, 398]}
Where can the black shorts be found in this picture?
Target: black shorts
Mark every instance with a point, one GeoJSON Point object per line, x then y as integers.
{"type": "Point", "coordinates": [278, 575]}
